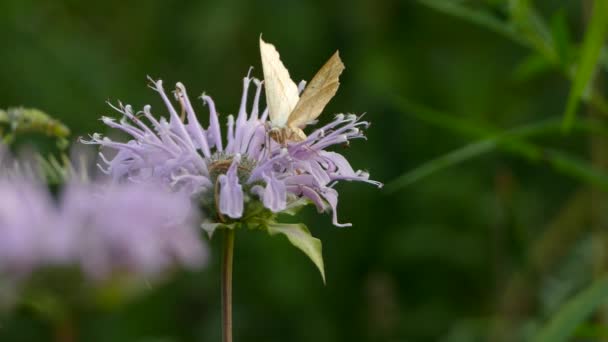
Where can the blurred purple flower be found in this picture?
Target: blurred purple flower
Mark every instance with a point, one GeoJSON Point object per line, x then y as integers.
{"type": "Point", "coordinates": [131, 228]}
{"type": "Point", "coordinates": [27, 215]}
{"type": "Point", "coordinates": [181, 154]}
{"type": "Point", "coordinates": [134, 229]}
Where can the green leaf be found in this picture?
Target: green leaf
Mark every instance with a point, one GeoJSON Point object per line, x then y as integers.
{"type": "Point", "coordinates": [589, 58]}
{"type": "Point", "coordinates": [294, 207]}
{"type": "Point", "coordinates": [532, 26]}
{"type": "Point", "coordinates": [604, 59]}
{"type": "Point", "coordinates": [541, 43]}
{"type": "Point", "coordinates": [591, 331]}
{"type": "Point", "coordinates": [457, 156]}
{"type": "Point", "coordinates": [210, 228]}
{"type": "Point", "coordinates": [560, 34]}
{"type": "Point", "coordinates": [57, 171]}
{"type": "Point", "coordinates": [526, 27]}
{"type": "Point", "coordinates": [485, 19]}
{"type": "Point", "coordinates": [513, 141]}
{"type": "Point", "coordinates": [559, 161]}
{"type": "Point", "coordinates": [31, 120]}
{"type": "Point", "coordinates": [531, 67]}
{"type": "Point", "coordinates": [479, 17]}
{"type": "Point", "coordinates": [563, 325]}
{"type": "Point", "coordinates": [300, 237]}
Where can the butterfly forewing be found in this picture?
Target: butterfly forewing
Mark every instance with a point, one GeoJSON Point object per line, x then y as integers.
{"type": "Point", "coordinates": [318, 93]}
{"type": "Point", "coordinates": [281, 92]}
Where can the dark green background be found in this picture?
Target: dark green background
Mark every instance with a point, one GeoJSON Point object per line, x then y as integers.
{"type": "Point", "coordinates": [429, 262]}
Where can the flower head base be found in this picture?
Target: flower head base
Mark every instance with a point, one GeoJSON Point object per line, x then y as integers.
{"type": "Point", "coordinates": [250, 168]}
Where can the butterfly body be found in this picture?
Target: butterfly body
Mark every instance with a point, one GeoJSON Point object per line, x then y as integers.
{"type": "Point", "coordinates": [284, 134]}
{"type": "Point", "coordinates": [288, 111]}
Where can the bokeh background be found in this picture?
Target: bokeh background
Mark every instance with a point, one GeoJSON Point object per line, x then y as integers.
{"type": "Point", "coordinates": [485, 247]}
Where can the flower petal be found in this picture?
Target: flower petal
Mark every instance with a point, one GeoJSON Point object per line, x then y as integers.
{"type": "Point", "coordinates": [231, 192]}
{"type": "Point", "coordinates": [275, 194]}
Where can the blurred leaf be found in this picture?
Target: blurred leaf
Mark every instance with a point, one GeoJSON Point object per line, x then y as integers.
{"type": "Point", "coordinates": [519, 10]}
{"type": "Point", "coordinates": [604, 59]}
{"type": "Point", "coordinates": [51, 169]}
{"type": "Point", "coordinates": [530, 67]}
{"type": "Point", "coordinates": [590, 53]}
{"type": "Point", "coordinates": [527, 27]}
{"type": "Point", "coordinates": [563, 325]}
{"type": "Point", "coordinates": [531, 25]}
{"type": "Point", "coordinates": [591, 331]}
{"type": "Point", "coordinates": [447, 160]}
{"type": "Point", "coordinates": [56, 171]}
{"type": "Point", "coordinates": [479, 17]}
{"type": "Point", "coordinates": [560, 34]}
{"type": "Point", "coordinates": [597, 100]}
{"type": "Point", "coordinates": [510, 141]}
{"type": "Point", "coordinates": [561, 162]}
{"type": "Point", "coordinates": [447, 121]}
{"type": "Point", "coordinates": [469, 128]}
{"type": "Point", "coordinates": [577, 168]}
{"type": "Point", "coordinates": [300, 237]}
{"type": "Point", "coordinates": [468, 330]}
{"type": "Point", "coordinates": [26, 120]}
{"type": "Point", "coordinates": [561, 235]}
{"type": "Point", "coordinates": [486, 20]}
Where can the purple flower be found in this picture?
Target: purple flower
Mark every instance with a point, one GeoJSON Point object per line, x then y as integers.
{"type": "Point", "coordinates": [131, 228]}
{"type": "Point", "coordinates": [135, 229]}
{"type": "Point", "coordinates": [26, 215]}
{"type": "Point", "coordinates": [227, 178]}
{"type": "Point", "coordinates": [231, 192]}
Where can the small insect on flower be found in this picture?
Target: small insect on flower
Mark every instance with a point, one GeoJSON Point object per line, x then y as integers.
{"type": "Point", "coordinates": [289, 112]}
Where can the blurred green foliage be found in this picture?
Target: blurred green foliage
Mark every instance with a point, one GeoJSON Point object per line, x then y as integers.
{"type": "Point", "coordinates": [492, 218]}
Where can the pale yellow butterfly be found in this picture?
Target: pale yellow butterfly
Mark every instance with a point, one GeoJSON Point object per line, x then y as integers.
{"type": "Point", "coordinates": [288, 111]}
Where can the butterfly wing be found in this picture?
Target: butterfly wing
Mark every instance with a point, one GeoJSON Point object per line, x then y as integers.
{"type": "Point", "coordinates": [281, 92]}
{"type": "Point", "coordinates": [318, 92]}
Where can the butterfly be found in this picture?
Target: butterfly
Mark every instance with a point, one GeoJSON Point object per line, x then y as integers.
{"type": "Point", "coordinates": [288, 111]}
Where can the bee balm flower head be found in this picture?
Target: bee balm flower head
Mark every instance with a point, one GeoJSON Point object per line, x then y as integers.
{"type": "Point", "coordinates": [263, 162]}
{"type": "Point", "coordinates": [231, 174]}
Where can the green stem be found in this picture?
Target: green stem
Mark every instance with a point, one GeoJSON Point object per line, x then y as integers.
{"type": "Point", "coordinates": [227, 285]}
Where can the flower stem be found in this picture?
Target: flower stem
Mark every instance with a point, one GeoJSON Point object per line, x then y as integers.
{"type": "Point", "coordinates": [227, 285]}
